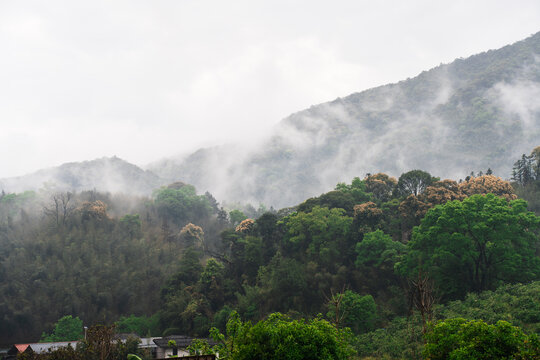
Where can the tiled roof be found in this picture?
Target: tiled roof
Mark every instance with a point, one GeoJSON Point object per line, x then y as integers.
{"type": "Point", "coordinates": [44, 347]}
{"type": "Point", "coordinates": [181, 341]}
{"type": "Point", "coordinates": [21, 347]}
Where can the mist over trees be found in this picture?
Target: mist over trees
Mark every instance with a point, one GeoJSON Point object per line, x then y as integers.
{"type": "Point", "coordinates": [475, 113]}
{"type": "Point", "coordinates": [378, 252]}
{"type": "Point", "coordinates": [376, 266]}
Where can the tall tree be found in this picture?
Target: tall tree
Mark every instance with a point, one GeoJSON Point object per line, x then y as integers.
{"type": "Point", "coordinates": [67, 328]}
{"type": "Point", "coordinates": [475, 244]}
{"type": "Point", "coordinates": [413, 182]}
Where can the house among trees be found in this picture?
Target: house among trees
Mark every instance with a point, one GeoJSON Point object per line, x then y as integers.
{"type": "Point", "coordinates": [174, 345]}
{"type": "Point", "coordinates": [37, 348]}
{"type": "Point", "coordinates": [157, 347]}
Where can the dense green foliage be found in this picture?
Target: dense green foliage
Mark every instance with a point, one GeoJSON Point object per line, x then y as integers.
{"type": "Point", "coordinates": [67, 328]}
{"type": "Point", "coordinates": [518, 304]}
{"type": "Point", "coordinates": [279, 337]}
{"type": "Point", "coordinates": [401, 338]}
{"type": "Point", "coordinates": [475, 244]}
{"type": "Point", "coordinates": [94, 256]}
{"type": "Point", "coordinates": [474, 339]}
{"type": "Point", "coordinates": [372, 258]}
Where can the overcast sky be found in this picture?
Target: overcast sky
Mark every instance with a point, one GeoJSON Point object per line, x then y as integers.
{"type": "Point", "coordinates": [144, 80]}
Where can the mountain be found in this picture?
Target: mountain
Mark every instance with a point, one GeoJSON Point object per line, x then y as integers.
{"type": "Point", "coordinates": [471, 114]}
{"type": "Point", "coordinates": [106, 174]}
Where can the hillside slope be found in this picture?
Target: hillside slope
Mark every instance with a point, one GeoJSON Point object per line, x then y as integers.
{"type": "Point", "coordinates": [471, 114]}
{"type": "Point", "coordinates": [106, 174]}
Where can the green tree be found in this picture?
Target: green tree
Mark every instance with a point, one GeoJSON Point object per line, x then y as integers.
{"type": "Point", "coordinates": [283, 282]}
{"type": "Point", "coordinates": [413, 182]}
{"type": "Point", "coordinates": [353, 310]}
{"type": "Point", "coordinates": [380, 185]}
{"type": "Point", "coordinates": [131, 225]}
{"type": "Point", "coordinates": [211, 282]}
{"type": "Point", "coordinates": [474, 339]}
{"type": "Point", "coordinates": [236, 217]}
{"type": "Point", "coordinates": [140, 325]}
{"type": "Point", "coordinates": [333, 199]}
{"type": "Point", "coordinates": [474, 245]}
{"type": "Point", "coordinates": [357, 190]}
{"type": "Point", "coordinates": [279, 337]}
{"type": "Point", "coordinates": [181, 204]}
{"type": "Point", "coordinates": [378, 250]}
{"type": "Point", "coordinates": [322, 234]}
{"type": "Point", "coordinates": [67, 328]}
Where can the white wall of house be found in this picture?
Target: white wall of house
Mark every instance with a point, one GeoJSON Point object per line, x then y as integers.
{"type": "Point", "coordinates": [165, 353]}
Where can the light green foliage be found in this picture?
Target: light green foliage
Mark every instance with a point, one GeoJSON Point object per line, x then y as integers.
{"type": "Point", "coordinates": [357, 190]}
{"type": "Point", "coordinates": [236, 217]}
{"type": "Point", "coordinates": [182, 205]}
{"type": "Point", "coordinates": [200, 347]}
{"type": "Point", "coordinates": [18, 199]}
{"type": "Point", "coordinates": [518, 304]}
{"type": "Point", "coordinates": [353, 310]}
{"type": "Point", "coordinates": [140, 325]}
{"type": "Point", "coordinates": [474, 244]}
{"type": "Point", "coordinates": [462, 339]}
{"type": "Point", "coordinates": [67, 328]}
{"type": "Point", "coordinates": [378, 250]}
{"type": "Point", "coordinates": [279, 337]}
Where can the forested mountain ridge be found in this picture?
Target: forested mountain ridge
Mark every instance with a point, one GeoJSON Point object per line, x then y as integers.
{"type": "Point", "coordinates": [105, 174]}
{"type": "Point", "coordinates": [177, 263]}
{"type": "Point", "coordinates": [470, 114]}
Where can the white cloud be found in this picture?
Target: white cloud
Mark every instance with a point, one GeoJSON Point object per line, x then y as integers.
{"type": "Point", "coordinates": [143, 79]}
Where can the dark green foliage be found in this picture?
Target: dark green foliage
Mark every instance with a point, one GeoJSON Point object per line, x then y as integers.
{"type": "Point", "coordinates": [399, 339]}
{"type": "Point", "coordinates": [526, 175]}
{"type": "Point", "coordinates": [283, 283]}
{"type": "Point", "coordinates": [101, 260]}
{"type": "Point", "coordinates": [108, 260]}
{"type": "Point", "coordinates": [527, 169]}
{"type": "Point", "coordinates": [413, 182]}
{"type": "Point", "coordinates": [353, 310]}
{"type": "Point", "coordinates": [331, 200]}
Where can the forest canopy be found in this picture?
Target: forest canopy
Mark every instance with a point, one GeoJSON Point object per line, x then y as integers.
{"type": "Point", "coordinates": [378, 253]}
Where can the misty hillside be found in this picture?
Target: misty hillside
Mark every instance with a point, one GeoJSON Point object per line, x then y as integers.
{"type": "Point", "coordinates": [106, 174]}
{"type": "Point", "coordinates": [471, 114]}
